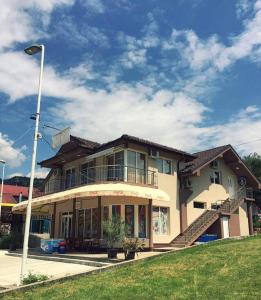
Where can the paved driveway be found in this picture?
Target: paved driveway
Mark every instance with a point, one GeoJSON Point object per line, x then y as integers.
{"type": "Point", "coordinates": [10, 269]}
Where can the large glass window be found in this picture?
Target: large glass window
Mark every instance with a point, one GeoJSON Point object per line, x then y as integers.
{"type": "Point", "coordinates": [115, 163]}
{"type": "Point", "coordinates": [163, 166]}
{"type": "Point", "coordinates": [87, 222]}
{"type": "Point", "coordinates": [136, 167]}
{"type": "Point", "coordinates": [116, 211]}
{"type": "Point", "coordinates": [81, 223]}
{"type": "Point", "coordinates": [88, 173]}
{"type": "Point", "coordinates": [160, 220]}
{"type": "Point", "coordinates": [70, 178]}
{"type": "Point", "coordinates": [40, 224]}
{"type": "Point", "coordinates": [142, 221]}
{"type": "Point", "coordinates": [129, 219]}
{"type": "Point", "coordinates": [66, 225]}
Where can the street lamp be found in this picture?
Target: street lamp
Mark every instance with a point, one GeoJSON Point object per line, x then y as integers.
{"type": "Point", "coordinates": [2, 188]}
{"type": "Point", "coordinates": [31, 51]}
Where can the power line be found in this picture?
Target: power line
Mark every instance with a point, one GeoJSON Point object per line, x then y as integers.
{"type": "Point", "coordinates": [21, 136]}
{"type": "Point", "coordinates": [244, 143]}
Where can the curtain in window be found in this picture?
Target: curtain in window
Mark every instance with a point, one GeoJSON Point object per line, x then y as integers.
{"type": "Point", "coordinates": [129, 219]}
{"type": "Point", "coordinates": [142, 221]}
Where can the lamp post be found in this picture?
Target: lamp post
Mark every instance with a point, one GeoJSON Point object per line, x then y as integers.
{"type": "Point", "coordinates": [31, 51]}
{"type": "Point", "coordinates": [2, 188]}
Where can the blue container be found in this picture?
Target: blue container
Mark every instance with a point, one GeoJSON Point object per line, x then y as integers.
{"type": "Point", "coordinates": [61, 249]}
{"type": "Point", "coordinates": [207, 238]}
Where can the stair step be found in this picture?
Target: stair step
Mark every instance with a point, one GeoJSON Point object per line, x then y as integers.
{"type": "Point", "coordinates": [63, 259]}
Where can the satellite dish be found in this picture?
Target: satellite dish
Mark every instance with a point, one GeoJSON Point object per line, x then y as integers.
{"type": "Point", "coordinates": [61, 138]}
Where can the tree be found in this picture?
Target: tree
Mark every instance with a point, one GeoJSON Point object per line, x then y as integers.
{"type": "Point", "coordinates": [253, 161]}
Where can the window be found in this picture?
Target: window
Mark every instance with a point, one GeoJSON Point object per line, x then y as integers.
{"type": "Point", "coordinates": [136, 166]}
{"type": "Point", "coordinates": [70, 178]}
{"type": "Point", "coordinates": [129, 220]}
{"type": "Point", "coordinates": [116, 211]}
{"type": "Point", "coordinates": [40, 224]}
{"type": "Point", "coordinates": [163, 166]}
{"type": "Point", "coordinates": [87, 223]}
{"type": "Point", "coordinates": [160, 220]}
{"type": "Point", "coordinates": [215, 177]}
{"type": "Point", "coordinates": [142, 221]}
{"type": "Point", "coordinates": [88, 172]}
{"type": "Point", "coordinates": [115, 164]}
{"type": "Point", "coordinates": [201, 205]}
{"type": "Point", "coordinates": [66, 225]}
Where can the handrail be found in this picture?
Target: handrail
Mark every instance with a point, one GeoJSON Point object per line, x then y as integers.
{"type": "Point", "coordinates": [101, 174]}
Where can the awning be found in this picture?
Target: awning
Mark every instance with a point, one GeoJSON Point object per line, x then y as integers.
{"type": "Point", "coordinates": [95, 190]}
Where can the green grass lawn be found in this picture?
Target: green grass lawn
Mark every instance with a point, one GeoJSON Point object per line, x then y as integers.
{"type": "Point", "coordinates": [222, 270]}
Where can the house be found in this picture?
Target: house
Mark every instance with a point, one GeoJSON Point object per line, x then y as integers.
{"type": "Point", "coordinates": [166, 196]}
{"type": "Point", "coordinates": [13, 194]}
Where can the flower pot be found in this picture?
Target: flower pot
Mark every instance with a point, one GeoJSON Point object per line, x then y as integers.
{"type": "Point", "coordinates": [112, 253]}
{"type": "Point", "coordinates": [130, 255]}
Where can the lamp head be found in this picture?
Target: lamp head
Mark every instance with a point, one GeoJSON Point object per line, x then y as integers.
{"type": "Point", "coordinates": [33, 49]}
{"type": "Point", "coordinates": [2, 161]}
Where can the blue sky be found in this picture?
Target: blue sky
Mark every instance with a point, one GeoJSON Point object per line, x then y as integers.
{"type": "Point", "coordinates": [183, 73]}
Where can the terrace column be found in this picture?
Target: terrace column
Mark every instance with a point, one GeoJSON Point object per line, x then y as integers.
{"type": "Point", "coordinates": [250, 217]}
{"type": "Point", "coordinates": [99, 229]}
{"type": "Point", "coordinates": [150, 225]}
{"type": "Point", "coordinates": [53, 221]}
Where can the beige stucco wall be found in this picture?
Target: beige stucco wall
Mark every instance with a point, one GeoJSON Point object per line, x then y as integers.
{"type": "Point", "coordinates": [205, 191]}
{"type": "Point", "coordinates": [243, 220]}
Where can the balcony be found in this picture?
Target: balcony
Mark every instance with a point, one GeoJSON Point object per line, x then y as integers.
{"type": "Point", "coordinates": [103, 174]}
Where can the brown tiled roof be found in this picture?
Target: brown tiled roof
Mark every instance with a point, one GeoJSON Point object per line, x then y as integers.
{"type": "Point", "coordinates": [85, 143]}
{"type": "Point", "coordinates": [202, 158]}
{"type": "Point", "coordinates": [130, 138]}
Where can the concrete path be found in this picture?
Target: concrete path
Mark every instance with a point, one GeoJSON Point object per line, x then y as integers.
{"type": "Point", "coordinates": [10, 269]}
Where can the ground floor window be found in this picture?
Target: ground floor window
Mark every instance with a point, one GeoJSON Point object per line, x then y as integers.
{"type": "Point", "coordinates": [87, 223]}
{"type": "Point", "coordinates": [160, 220]}
{"type": "Point", "coordinates": [116, 211]}
{"type": "Point", "coordinates": [129, 219]}
{"type": "Point", "coordinates": [197, 204]}
{"type": "Point", "coordinates": [40, 224]}
{"type": "Point", "coordinates": [142, 221]}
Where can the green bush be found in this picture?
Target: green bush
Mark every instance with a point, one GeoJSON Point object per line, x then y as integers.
{"type": "Point", "coordinates": [5, 241]}
{"type": "Point", "coordinates": [31, 278]}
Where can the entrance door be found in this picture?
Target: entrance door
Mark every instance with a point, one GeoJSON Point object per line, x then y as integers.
{"type": "Point", "coordinates": [225, 227]}
{"type": "Point", "coordinates": [66, 226]}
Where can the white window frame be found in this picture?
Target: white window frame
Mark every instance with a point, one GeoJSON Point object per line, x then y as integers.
{"type": "Point", "coordinates": [212, 175]}
{"type": "Point", "coordinates": [75, 183]}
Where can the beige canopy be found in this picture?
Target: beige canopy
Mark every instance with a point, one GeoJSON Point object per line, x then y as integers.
{"type": "Point", "coordinates": [95, 190]}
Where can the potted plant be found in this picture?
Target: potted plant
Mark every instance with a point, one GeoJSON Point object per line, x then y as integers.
{"type": "Point", "coordinates": [114, 233]}
{"type": "Point", "coordinates": [131, 246]}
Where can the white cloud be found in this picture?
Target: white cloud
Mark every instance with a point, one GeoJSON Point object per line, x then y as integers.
{"type": "Point", "coordinates": [14, 157]}
{"type": "Point", "coordinates": [18, 24]}
{"type": "Point", "coordinates": [243, 127]}
{"type": "Point", "coordinates": [39, 173]}
{"type": "Point", "coordinates": [173, 118]}
{"type": "Point", "coordinates": [95, 6]}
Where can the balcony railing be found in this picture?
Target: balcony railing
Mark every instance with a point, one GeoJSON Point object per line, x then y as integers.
{"type": "Point", "coordinates": [103, 174]}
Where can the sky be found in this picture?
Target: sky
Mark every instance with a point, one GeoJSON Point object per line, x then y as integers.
{"type": "Point", "coordinates": [183, 73]}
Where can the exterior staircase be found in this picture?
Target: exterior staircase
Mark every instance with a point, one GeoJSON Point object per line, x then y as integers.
{"type": "Point", "coordinates": [204, 221]}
